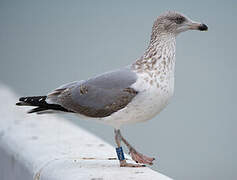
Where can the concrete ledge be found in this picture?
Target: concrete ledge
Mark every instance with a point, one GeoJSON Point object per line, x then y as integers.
{"type": "Point", "coordinates": [47, 147]}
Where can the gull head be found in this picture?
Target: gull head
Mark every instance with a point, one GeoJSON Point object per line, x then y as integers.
{"type": "Point", "coordinates": [174, 23]}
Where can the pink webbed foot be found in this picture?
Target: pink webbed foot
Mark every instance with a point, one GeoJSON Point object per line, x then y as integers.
{"type": "Point", "coordinates": [140, 158]}
{"type": "Point", "coordinates": [125, 164]}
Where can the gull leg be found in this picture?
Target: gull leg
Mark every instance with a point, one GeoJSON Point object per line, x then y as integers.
{"type": "Point", "coordinates": [120, 153]}
{"type": "Point", "coordinates": [136, 156]}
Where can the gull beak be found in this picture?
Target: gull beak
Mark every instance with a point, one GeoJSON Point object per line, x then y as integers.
{"type": "Point", "coordinates": [198, 26]}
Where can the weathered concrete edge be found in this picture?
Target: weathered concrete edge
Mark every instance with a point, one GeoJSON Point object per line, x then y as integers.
{"type": "Point", "coordinates": [52, 148]}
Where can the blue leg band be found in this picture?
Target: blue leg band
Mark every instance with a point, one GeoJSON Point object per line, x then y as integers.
{"type": "Point", "coordinates": [120, 154]}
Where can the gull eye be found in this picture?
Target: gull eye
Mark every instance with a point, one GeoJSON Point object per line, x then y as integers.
{"type": "Point", "coordinates": [179, 20]}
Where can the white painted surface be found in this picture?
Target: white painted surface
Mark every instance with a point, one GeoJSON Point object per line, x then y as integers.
{"type": "Point", "coordinates": [47, 147]}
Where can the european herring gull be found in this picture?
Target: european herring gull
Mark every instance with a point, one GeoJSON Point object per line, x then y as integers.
{"type": "Point", "coordinates": [132, 94]}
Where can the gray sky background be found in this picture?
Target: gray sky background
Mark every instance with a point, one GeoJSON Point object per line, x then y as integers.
{"type": "Point", "coordinates": [44, 44]}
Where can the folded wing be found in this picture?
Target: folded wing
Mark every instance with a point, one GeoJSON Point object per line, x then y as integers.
{"type": "Point", "coordinates": [97, 97]}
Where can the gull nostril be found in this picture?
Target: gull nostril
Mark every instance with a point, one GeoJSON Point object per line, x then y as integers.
{"type": "Point", "coordinates": [203, 27]}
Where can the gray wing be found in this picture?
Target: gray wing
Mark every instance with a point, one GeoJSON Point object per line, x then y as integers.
{"type": "Point", "coordinates": [97, 97]}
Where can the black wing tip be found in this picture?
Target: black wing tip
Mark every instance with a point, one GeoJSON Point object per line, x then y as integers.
{"type": "Point", "coordinates": [19, 103]}
{"type": "Point", "coordinates": [38, 109]}
{"type": "Point", "coordinates": [22, 104]}
{"type": "Point", "coordinates": [22, 98]}
{"type": "Point", "coordinates": [40, 104]}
